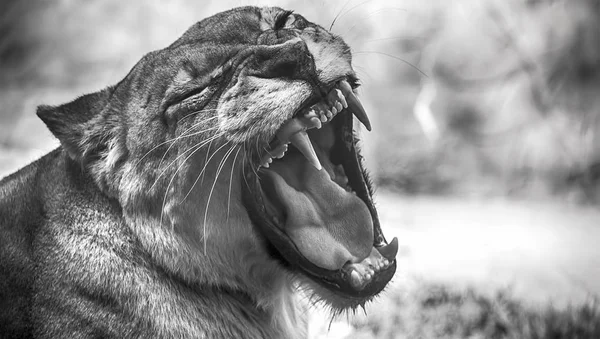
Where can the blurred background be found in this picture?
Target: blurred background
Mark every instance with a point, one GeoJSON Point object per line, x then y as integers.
{"type": "Point", "coordinates": [485, 143]}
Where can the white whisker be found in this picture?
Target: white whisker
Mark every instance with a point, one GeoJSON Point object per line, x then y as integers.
{"type": "Point", "coordinates": [219, 168]}
{"type": "Point", "coordinates": [201, 174]}
{"type": "Point", "coordinates": [181, 155]}
{"type": "Point", "coordinates": [195, 149]}
{"type": "Point", "coordinates": [184, 135]}
{"type": "Point", "coordinates": [175, 139]}
{"type": "Point", "coordinates": [231, 181]}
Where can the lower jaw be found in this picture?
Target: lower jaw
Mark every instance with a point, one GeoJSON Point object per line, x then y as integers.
{"type": "Point", "coordinates": [337, 284]}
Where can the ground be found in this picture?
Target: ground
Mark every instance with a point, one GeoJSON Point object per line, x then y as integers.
{"type": "Point", "coordinates": [459, 252]}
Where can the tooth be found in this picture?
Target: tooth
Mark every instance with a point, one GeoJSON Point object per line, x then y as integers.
{"type": "Point", "coordinates": [303, 144]}
{"type": "Point", "coordinates": [311, 120]}
{"type": "Point", "coordinates": [355, 279]}
{"type": "Point", "coordinates": [281, 153]}
{"type": "Point", "coordinates": [339, 106]}
{"type": "Point", "coordinates": [311, 114]}
{"type": "Point", "coordinates": [266, 160]}
{"type": "Point", "coordinates": [341, 98]}
{"type": "Point", "coordinates": [321, 110]}
{"type": "Point", "coordinates": [300, 123]}
{"type": "Point", "coordinates": [334, 98]}
{"type": "Point", "coordinates": [315, 121]}
{"type": "Point", "coordinates": [289, 128]}
{"type": "Point", "coordinates": [354, 104]}
{"type": "Point", "coordinates": [389, 251]}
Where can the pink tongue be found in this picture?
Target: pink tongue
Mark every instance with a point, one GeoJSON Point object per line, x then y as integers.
{"type": "Point", "coordinates": [328, 225]}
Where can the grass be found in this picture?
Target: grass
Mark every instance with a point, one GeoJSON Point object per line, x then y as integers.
{"type": "Point", "coordinates": [438, 311]}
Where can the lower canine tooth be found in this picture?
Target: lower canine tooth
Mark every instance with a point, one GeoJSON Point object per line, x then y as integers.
{"type": "Point", "coordinates": [302, 142]}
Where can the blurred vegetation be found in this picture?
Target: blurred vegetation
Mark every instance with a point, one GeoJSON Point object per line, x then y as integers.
{"type": "Point", "coordinates": [509, 104]}
{"type": "Point", "coordinates": [478, 97]}
{"type": "Point", "coordinates": [435, 311]}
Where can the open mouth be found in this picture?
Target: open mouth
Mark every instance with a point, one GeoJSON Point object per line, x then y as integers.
{"type": "Point", "coordinates": [312, 202]}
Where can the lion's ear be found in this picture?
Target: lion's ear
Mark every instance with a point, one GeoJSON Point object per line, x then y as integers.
{"type": "Point", "coordinates": [82, 125]}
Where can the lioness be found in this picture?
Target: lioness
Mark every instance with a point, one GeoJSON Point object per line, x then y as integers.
{"type": "Point", "coordinates": [193, 198]}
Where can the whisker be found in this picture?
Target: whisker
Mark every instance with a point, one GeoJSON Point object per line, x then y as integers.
{"type": "Point", "coordinates": [348, 11]}
{"type": "Point", "coordinates": [396, 58]}
{"type": "Point", "coordinates": [181, 155]}
{"type": "Point", "coordinates": [363, 73]}
{"type": "Point", "coordinates": [206, 159]}
{"type": "Point", "coordinates": [184, 135]}
{"type": "Point", "coordinates": [196, 148]}
{"type": "Point", "coordinates": [187, 136]}
{"type": "Point", "coordinates": [203, 170]}
{"type": "Point", "coordinates": [252, 167]}
{"type": "Point", "coordinates": [404, 38]}
{"type": "Point", "coordinates": [364, 19]}
{"type": "Point", "coordinates": [219, 168]}
{"type": "Point", "coordinates": [231, 181]}
{"type": "Point", "coordinates": [245, 162]}
{"type": "Point", "coordinates": [209, 110]}
{"type": "Point", "coordinates": [266, 150]}
{"type": "Point", "coordinates": [338, 15]}
{"type": "Point", "coordinates": [175, 139]}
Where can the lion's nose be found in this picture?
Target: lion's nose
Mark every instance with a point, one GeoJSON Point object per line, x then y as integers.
{"type": "Point", "coordinates": [290, 60]}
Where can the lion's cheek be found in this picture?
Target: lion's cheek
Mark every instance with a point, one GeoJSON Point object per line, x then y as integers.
{"type": "Point", "coordinates": [259, 106]}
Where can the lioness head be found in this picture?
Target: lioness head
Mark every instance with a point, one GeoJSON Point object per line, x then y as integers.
{"type": "Point", "coordinates": [233, 158]}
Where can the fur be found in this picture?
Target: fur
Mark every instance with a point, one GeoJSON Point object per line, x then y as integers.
{"type": "Point", "coordinates": [134, 227]}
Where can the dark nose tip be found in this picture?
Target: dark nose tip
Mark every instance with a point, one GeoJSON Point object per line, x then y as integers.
{"type": "Point", "coordinates": [289, 60]}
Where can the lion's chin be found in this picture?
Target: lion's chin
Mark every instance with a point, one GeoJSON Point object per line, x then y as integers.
{"type": "Point", "coordinates": [314, 206]}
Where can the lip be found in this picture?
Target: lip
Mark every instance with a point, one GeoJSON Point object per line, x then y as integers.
{"type": "Point", "coordinates": [284, 249]}
{"type": "Point", "coordinates": [313, 99]}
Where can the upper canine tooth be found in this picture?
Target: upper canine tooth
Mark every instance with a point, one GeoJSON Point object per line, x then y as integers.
{"type": "Point", "coordinates": [290, 128]}
{"type": "Point", "coordinates": [300, 123]}
{"type": "Point", "coordinates": [302, 142]}
{"type": "Point", "coordinates": [354, 104]}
